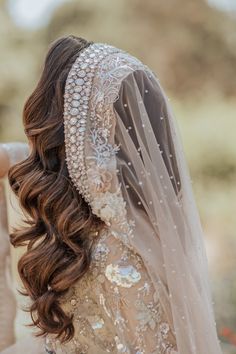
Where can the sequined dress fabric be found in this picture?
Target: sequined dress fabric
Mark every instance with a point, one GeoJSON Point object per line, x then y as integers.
{"type": "Point", "coordinates": [115, 293]}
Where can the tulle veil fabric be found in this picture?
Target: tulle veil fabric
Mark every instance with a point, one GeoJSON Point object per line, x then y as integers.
{"type": "Point", "coordinates": [125, 156]}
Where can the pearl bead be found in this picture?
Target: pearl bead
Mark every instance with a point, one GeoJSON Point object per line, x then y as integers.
{"type": "Point", "coordinates": [73, 302]}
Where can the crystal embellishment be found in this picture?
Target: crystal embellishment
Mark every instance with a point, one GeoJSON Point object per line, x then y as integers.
{"type": "Point", "coordinates": [125, 276]}
{"type": "Point", "coordinates": [77, 95]}
{"type": "Point", "coordinates": [81, 73]}
{"type": "Point", "coordinates": [75, 103]}
{"type": "Point", "coordinates": [79, 82]}
{"type": "Point", "coordinates": [74, 111]}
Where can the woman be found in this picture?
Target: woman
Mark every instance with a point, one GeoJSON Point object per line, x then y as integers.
{"type": "Point", "coordinates": [115, 258]}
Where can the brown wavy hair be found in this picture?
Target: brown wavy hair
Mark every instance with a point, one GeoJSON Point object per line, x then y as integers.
{"type": "Point", "coordinates": [58, 220]}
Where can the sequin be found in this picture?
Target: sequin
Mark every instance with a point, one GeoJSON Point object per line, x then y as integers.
{"type": "Point", "coordinates": [73, 302]}
{"type": "Point", "coordinates": [75, 103]}
{"type": "Point", "coordinates": [81, 73]}
{"type": "Point", "coordinates": [73, 121]}
{"type": "Point", "coordinates": [76, 96]}
{"type": "Point", "coordinates": [79, 82]}
{"type": "Point", "coordinates": [96, 322]}
{"type": "Point", "coordinates": [74, 111]}
{"type": "Point", "coordinates": [125, 276]}
{"type": "Point", "coordinates": [78, 89]}
{"type": "Point", "coordinates": [73, 130]}
{"type": "Point", "coordinates": [81, 129]}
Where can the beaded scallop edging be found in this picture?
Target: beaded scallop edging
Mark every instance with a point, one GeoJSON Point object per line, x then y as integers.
{"type": "Point", "coordinates": [76, 106]}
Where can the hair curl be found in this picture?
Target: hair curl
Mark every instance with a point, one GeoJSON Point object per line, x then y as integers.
{"type": "Point", "coordinates": [58, 219]}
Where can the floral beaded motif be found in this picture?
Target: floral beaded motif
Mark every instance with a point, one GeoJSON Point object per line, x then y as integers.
{"type": "Point", "coordinates": [108, 316]}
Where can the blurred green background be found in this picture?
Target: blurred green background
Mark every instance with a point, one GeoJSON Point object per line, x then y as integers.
{"type": "Point", "coordinates": [191, 45]}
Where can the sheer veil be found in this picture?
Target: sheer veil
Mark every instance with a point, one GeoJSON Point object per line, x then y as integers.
{"type": "Point", "coordinates": [125, 156]}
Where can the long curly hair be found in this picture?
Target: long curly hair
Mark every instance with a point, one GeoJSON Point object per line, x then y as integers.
{"type": "Point", "coordinates": [58, 220]}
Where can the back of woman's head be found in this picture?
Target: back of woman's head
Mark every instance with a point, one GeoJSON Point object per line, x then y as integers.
{"type": "Point", "coordinates": [58, 219]}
